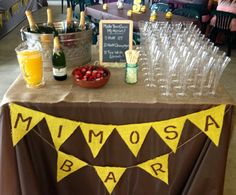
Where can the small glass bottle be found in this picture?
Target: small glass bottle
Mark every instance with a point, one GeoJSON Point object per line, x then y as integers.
{"type": "Point", "coordinates": [131, 73]}
{"type": "Point", "coordinates": [58, 60]}
{"type": "Point", "coordinates": [82, 21]}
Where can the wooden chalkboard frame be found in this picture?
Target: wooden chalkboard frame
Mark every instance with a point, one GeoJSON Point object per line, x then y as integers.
{"type": "Point", "coordinates": [102, 22]}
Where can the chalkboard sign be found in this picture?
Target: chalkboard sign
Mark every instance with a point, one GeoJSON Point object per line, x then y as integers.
{"type": "Point", "coordinates": [115, 37]}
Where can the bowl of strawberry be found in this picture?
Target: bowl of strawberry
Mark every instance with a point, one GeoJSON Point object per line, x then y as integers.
{"type": "Point", "coordinates": [91, 76]}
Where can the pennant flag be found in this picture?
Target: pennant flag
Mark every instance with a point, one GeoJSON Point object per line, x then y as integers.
{"type": "Point", "coordinates": [210, 122]}
{"type": "Point", "coordinates": [96, 135]}
{"type": "Point", "coordinates": [110, 176]}
{"type": "Point", "coordinates": [170, 131]}
{"type": "Point", "coordinates": [15, 8]}
{"type": "Point", "coordinates": [67, 164]}
{"type": "Point", "coordinates": [22, 121]}
{"type": "Point", "coordinates": [0, 20]}
{"type": "Point", "coordinates": [60, 129]}
{"type": "Point", "coordinates": [7, 15]}
{"type": "Point", "coordinates": [134, 135]}
{"type": "Point", "coordinates": [157, 167]}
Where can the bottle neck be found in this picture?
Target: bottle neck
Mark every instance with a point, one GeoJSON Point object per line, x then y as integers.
{"type": "Point", "coordinates": [30, 19]}
{"type": "Point", "coordinates": [82, 20]}
{"type": "Point", "coordinates": [69, 16]}
{"type": "Point", "coordinates": [49, 14]}
{"type": "Point", "coordinates": [57, 45]}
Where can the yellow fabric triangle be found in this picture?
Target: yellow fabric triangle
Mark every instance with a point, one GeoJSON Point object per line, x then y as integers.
{"type": "Point", "coordinates": [210, 122]}
{"type": "Point", "coordinates": [22, 121]}
{"type": "Point", "coordinates": [7, 15]}
{"type": "Point", "coordinates": [67, 164]}
{"type": "Point", "coordinates": [110, 176]}
{"type": "Point", "coordinates": [96, 135]}
{"type": "Point", "coordinates": [157, 167]}
{"type": "Point", "coordinates": [0, 20]}
{"type": "Point", "coordinates": [60, 129]}
{"type": "Point", "coordinates": [15, 8]}
{"type": "Point", "coordinates": [134, 135]}
{"type": "Point", "coordinates": [170, 131]}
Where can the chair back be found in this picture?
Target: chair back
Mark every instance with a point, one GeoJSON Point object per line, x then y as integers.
{"type": "Point", "coordinates": [223, 19]}
{"type": "Point", "coordinates": [162, 7]}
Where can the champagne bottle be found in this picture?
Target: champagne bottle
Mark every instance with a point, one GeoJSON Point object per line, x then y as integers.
{"type": "Point", "coordinates": [33, 26]}
{"type": "Point", "coordinates": [69, 23]}
{"type": "Point", "coordinates": [49, 21]}
{"type": "Point", "coordinates": [58, 60]}
{"type": "Point", "coordinates": [82, 21]}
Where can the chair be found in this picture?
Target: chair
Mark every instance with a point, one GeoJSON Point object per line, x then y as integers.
{"type": "Point", "coordinates": [162, 7]}
{"type": "Point", "coordinates": [203, 12]}
{"type": "Point", "coordinates": [222, 24]}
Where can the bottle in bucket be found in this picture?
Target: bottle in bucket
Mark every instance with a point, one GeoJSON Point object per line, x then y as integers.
{"type": "Point", "coordinates": [33, 26]}
{"type": "Point", "coordinates": [58, 60]}
{"type": "Point", "coordinates": [69, 23]}
{"type": "Point", "coordinates": [49, 18]}
{"type": "Point", "coordinates": [82, 21]}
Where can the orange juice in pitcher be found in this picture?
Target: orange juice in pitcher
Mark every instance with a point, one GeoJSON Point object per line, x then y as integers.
{"type": "Point", "coordinates": [31, 65]}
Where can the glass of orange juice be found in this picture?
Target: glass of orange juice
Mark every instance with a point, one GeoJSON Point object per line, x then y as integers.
{"type": "Point", "coordinates": [31, 64]}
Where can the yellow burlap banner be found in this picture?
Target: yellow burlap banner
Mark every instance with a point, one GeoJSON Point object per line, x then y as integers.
{"type": "Point", "coordinates": [60, 129]}
{"type": "Point", "coordinates": [67, 164]}
{"type": "Point", "coordinates": [210, 122]}
{"type": "Point", "coordinates": [15, 8]}
{"type": "Point", "coordinates": [157, 167]}
{"type": "Point", "coordinates": [134, 135]}
{"type": "Point", "coordinates": [170, 131]}
{"type": "Point", "coordinates": [96, 135]}
{"type": "Point", "coordinates": [110, 176]}
{"type": "Point", "coordinates": [22, 121]}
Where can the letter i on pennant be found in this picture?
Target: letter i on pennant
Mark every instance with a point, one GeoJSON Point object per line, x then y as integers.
{"type": "Point", "coordinates": [61, 129]}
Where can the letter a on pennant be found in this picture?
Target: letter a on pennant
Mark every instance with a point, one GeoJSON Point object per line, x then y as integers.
{"type": "Point", "coordinates": [110, 176]}
{"type": "Point", "coordinates": [22, 121]}
{"type": "Point", "coordinates": [134, 135]}
{"type": "Point", "coordinates": [67, 164]}
{"type": "Point", "coordinates": [210, 122]}
{"type": "Point", "coordinates": [60, 129]}
{"type": "Point", "coordinates": [96, 135]}
{"type": "Point", "coordinates": [157, 167]}
{"type": "Point", "coordinates": [170, 131]}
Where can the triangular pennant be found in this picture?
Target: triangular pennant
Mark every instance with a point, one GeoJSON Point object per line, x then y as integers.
{"type": "Point", "coordinates": [67, 164]}
{"type": "Point", "coordinates": [157, 167]}
{"type": "Point", "coordinates": [96, 135]}
{"type": "Point", "coordinates": [110, 176]}
{"type": "Point", "coordinates": [134, 135]}
{"type": "Point", "coordinates": [7, 15]}
{"type": "Point", "coordinates": [15, 8]}
{"type": "Point", "coordinates": [60, 129]}
{"type": "Point", "coordinates": [170, 131]}
{"type": "Point", "coordinates": [0, 20]}
{"type": "Point", "coordinates": [210, 122]}
{"type": "Point", "coordinates": [22, 121]}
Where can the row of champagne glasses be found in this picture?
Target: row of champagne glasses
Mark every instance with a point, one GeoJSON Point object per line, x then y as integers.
{"type": "Point", "coordinates": [178, 60]}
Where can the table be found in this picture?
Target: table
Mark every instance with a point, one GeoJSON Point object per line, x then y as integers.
{"type": "Point", "coordinates": [198, 166]}
{"type": "Point", "coordinates": [113, 13]}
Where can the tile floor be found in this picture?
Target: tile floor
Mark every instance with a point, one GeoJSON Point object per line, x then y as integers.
{"type": "Point", "coordinates": [9, 71]}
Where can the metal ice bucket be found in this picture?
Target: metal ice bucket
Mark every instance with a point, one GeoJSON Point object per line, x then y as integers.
{"type": "Point", "coordinates": [76, 46]}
